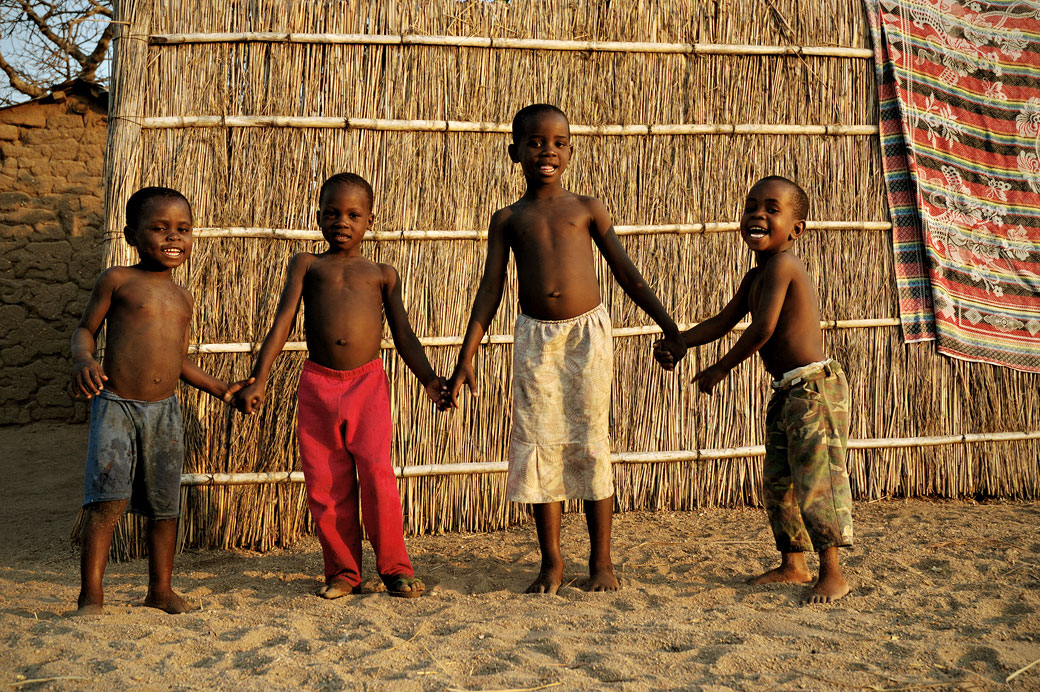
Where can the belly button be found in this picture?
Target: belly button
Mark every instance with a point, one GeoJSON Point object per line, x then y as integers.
{"type": "Point", "coordinates": [341, 342]}
{"type": "Point", "coordinates": [554, 294]}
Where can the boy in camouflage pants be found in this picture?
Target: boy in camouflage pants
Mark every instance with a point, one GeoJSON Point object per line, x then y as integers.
{"type": "Point", "coordinates": [806, 485]}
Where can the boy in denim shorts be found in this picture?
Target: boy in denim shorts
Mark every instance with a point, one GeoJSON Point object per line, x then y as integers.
{"type": "Point", "coordinates": [136, 450]}
{"type": "Point", "coordinates": [806, 483]}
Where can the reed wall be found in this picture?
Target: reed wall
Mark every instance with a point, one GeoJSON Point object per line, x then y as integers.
{"type": "Point", "coordinates": [267, 177]}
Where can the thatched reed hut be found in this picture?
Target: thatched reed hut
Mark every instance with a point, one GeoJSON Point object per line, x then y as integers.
{"type": "Point", "coordinates": [677, 107]}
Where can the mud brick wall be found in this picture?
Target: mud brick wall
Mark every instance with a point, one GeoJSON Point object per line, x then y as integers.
{"type": "Point", "coordinates": [51, 216]}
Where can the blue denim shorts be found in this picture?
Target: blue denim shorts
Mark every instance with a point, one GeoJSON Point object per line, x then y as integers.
{"type": "Point", "coordinates": [135, 452]}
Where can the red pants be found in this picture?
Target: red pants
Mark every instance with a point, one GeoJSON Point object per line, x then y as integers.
{"type": "Point", "coordinates": [344, 427]}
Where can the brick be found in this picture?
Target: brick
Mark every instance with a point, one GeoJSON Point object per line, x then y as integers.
{"type": "Point", "coordinates": [18, 153]}
{"type": "Point", "coordinates": [53, 396]}
{"type": "Point", "coordinates": [16, 355]}
{"type": "Point", "coordinates": [86, 268]}
{"type": "Point", "coordinates": [30, 115]}
{"type": "Point", "coordinates": [45, 183]}
{"type": "Point", "coordinates": [30, 215]}
{"type": "Point", "coordinates": [49, 301]}
{"type": "Point", "coordinates": [79, 411]}
{"type": "Point", "coordinates": [9, 316]}
{"type": "Point", "coordinates": [14, 415]}
{"type": "Point", "coordinates": [9, 132]}
{"type": "Point", "coordinates": [13, 200]}
{"type": "Point", "coordinates": [49, 230]}
{"type": "Point", "coordinates": [66, 121]}
{"type": "Point", "coordinates": [16, 234]}
{"type": "Point", "coordinates": [38, 259]}
{"type": "Point", "coordinates": [48, 136]}
{"type": "Point", "coordinates": [12, 291]}
{"type": "Point", "coordinates": [18, 384]}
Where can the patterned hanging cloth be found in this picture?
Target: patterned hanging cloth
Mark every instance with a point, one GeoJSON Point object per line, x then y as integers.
{"type": "Point", "coordinates": [959, 95]}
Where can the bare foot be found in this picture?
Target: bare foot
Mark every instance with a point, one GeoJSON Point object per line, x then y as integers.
{"type": "Point", "coordinates": [170, 602]}
{"type": "Point", "coordinates": [828, 590]}
{"type": "Point", "coordinates": [782, 574]}
{"type": "Point", "coordinates": [89, 604]}
{"type": "Point", "coordinates": [548, 581]}
{"type": "Point", "coordinates": [831, 585]}
{"type": "Point", "coordinates": [792, 570]}
{"type": "Point", "coordinates": [336, 589]}
{"type": "Point", "coordinates": [87, 609]}
{"type": "Point", "coordinates": [602, 579]}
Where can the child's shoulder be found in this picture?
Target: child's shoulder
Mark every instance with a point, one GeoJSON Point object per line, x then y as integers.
{"type": "Point", "coordinates": [302, 259]}
{"type": "Point", "coordinates": [782, 263]}
{"type": "Point", "coordinates": [118, 274]}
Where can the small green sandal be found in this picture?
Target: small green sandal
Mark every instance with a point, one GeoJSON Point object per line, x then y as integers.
{"type": "Point", "coordinates": [404, 587]}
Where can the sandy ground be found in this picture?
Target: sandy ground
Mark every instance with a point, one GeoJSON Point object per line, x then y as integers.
{"type": "Point", "coordinates": [945, 597]}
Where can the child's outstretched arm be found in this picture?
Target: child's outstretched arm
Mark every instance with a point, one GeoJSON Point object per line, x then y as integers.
{"type": "Point", "coordinates": [412, 352]}
{"type": "Point", "coordinates": [88, 377]}
{"type": "Point", "coordinates": [251, 397]}
{"type": "Point", "coordinates": [631, 281]}
{"type": "Point", "coordinates": [485, 305]}
{"type": "Point", "coordinates": [775, 277]}
{"type": "Point", "coordinates": [714, 327]}
{"type": "Point", "coordinates": [202, 380]}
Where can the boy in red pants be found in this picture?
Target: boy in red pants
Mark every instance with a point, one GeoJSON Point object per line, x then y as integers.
{"type": "Point", "coordinates": [343, 419]}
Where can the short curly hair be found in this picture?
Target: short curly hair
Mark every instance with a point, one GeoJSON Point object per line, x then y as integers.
{"type": "Point", "coordinates": [525, 115]}
{"type": "Point", "coordinates": [350, 179]}
{"type": "Point", "coordinates": [801, 200]}
{"type": "Point", "coordinates": [135, 205]}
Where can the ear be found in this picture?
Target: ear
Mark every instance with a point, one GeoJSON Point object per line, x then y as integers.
{"type": "Point", "coordinates": [513, 154]}
{"type": "Point", "coordinates": [128, 235]}
{"type": "Point", "coordinates": [798, 229]}
{"type": "Point", "coordinates": [371, 220]}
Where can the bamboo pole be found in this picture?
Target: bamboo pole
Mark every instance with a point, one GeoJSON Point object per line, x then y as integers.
{"type": "Point", "coordinates": [123, 151]}
{"type": "Point", "coordinates": [511, 44]}
{"type": "Point", "coordinates": [618, 332]}
{"type": "Point", "coordinates": [393, 125]}
{"type": "Point", "coordinates": [422, 470]}
{"type": "Point", "coordinates": [629, 230]}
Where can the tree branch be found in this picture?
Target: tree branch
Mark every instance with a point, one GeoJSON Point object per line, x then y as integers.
{"type": "Point", "coordinates": [98, 8]}
{"type": "Point", "coordinates": [95, 58]}
{"type": "Point", "coordinates": [18, 82]}
{"type": "Point", "coordinates": [70, 48]}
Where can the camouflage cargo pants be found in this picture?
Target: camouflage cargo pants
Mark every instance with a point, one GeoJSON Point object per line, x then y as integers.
{"type": "Point", "coordinates": [806, 482]}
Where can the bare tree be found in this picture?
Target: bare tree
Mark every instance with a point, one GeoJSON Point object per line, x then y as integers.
{"type": "Point", "coordinates": [43, 42]}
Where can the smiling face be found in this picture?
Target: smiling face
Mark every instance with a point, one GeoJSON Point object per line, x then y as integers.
{"type": "Point", "coordinates": [543, 149]}
{"type": "Point", "coordinates": [344, 216]}
{"type": "Point", "coordinates": [770, 220]}
{"type": "Point", "coordinates": [162, 235]}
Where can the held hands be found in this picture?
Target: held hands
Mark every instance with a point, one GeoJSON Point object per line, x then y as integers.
{"type": "Point", "coordinates": [437, 392]}
{"type": "Point", "coordinates": [233, 388]}
{"type": "Point", "coordinates": [463, 375]}
{"type": "Point", "coordinates": [709, 377]}
{"type": "Point", "coordinates": [88, 378]}
{"type": "Point", "coordinates": [249, 397]}
{"type": "Point", "coordinates": [669, 351]}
